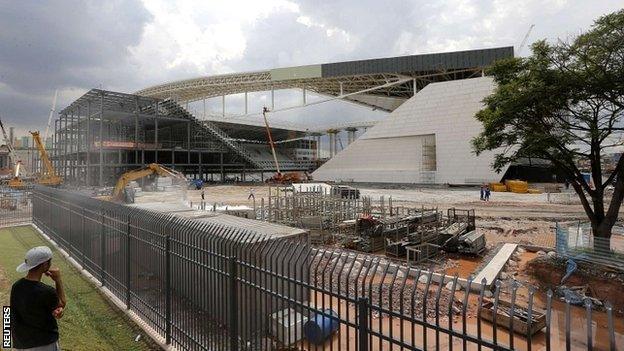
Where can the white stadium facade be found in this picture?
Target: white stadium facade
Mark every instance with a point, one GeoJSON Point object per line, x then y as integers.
{"type": "Point", "coordinates": [431, 100]}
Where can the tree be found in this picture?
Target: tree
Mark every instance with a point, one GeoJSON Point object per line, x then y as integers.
{"type": "Point", "coordinates": [564, 104]}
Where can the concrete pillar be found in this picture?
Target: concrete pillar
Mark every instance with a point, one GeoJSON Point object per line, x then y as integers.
{"type": "Point", "coordinates": [246, 105]}
{"type": "Point", "coordinates": [351, 135]}
{"type": "Point", "coordinates": [333, 145]}
{"type": "Point", "coordinates": [223, 105]}
{"type": "Point", "coordinates": [204, 101]}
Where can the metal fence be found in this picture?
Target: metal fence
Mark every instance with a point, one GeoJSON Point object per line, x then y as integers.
{"type": "Point", "coordinates": [576, 240]}
{"type": "Point", "coordinates": [15, 207]}
{"type": "Point", "coordinates": [210, 287]}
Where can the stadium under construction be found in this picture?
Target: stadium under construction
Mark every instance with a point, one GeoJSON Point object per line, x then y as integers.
{"type": "Point", "coordinates": [104, 133]}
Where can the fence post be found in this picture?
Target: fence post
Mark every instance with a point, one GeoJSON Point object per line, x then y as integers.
{"type": "Point", "coordinates": [128, 265]}
{"type": "Point", "coordinates": [363, 313]}
{"type": "Point", "coordinates": [167, 290]}
{"type": "Point", "coordinates": [233, 305]}
{"type": "Point", "coordinates": [102, 249]}
{"type": "Point", "coordinates": [82, 229]}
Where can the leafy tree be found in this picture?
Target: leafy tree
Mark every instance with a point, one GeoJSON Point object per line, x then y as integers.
{"type": "Point", "coordinates": [565, 104]}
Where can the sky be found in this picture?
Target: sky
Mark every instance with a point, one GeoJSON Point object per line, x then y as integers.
{"type": "Point", "coordinates": [74, 46]}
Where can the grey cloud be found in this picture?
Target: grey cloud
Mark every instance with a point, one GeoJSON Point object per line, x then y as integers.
{"type": "Point", "coordinates": [62, 44]}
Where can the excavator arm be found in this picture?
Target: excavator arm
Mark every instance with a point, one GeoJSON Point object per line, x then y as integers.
{"type": "Point", "coordinates": [152, 168]}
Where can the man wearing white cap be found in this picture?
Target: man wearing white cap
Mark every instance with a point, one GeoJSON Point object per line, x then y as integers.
{"type": "Point", "coordinates": [35, 306]}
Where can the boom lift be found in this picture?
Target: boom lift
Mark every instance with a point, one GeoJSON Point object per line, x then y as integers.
{"type": "Point", "coordinates": [48, 175]}
{"type": "Point", "coordinates": [16, 182]}
{"type": "Point", "coordinates": [279, 177]}
{"type": "Point", "coordinates": [152, 168]}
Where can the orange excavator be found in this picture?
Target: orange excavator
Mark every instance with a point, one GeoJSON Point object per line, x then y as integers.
{"type": "Point", "coordinates": [279, 177]}
{"type": "Point", "coordinates": [153, 168]}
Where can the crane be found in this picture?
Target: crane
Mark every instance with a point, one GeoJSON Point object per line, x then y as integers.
{"type": "Point", "coordinates": [52, 110]}
{"type": "Point", "coordinates": [9, 145]}
{"type": "Point", "coordinates": [48, 175]}
{"type": "Point", "coordinates": [524, 40]}
{"type": "Point", "coordinates": [152, 168]}
{"type": "Point", "coordinates": [16, 182]}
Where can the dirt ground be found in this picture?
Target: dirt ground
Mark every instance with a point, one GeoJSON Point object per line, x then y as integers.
{"type": "Point", "coordinates": [507, 217]}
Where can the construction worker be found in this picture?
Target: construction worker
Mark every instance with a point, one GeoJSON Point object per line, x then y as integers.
{"type": "Point", "coordinates": [251, 194]}
{"type": "Point", "coordinates": [36, 306]}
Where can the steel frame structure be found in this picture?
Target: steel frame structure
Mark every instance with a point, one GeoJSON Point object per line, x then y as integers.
{"type": "Point", "coordinates": [104, 133]}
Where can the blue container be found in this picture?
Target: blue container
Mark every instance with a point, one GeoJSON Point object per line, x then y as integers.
{"type": "Point", "coordinates": [319, 328]}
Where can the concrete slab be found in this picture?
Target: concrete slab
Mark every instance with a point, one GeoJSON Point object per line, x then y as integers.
{"type": "Point", "coordinates": [496, 264]}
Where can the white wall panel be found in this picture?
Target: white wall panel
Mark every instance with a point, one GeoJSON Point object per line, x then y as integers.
{"type": "Point", "coordinates": [390, 151]}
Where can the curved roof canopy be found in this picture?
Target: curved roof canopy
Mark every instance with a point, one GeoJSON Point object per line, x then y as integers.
{"type": "Point", "coordinates": [383, 83]}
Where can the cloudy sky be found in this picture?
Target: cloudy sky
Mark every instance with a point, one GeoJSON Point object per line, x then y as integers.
{"type": "Point", "coordinates": [73, 46]}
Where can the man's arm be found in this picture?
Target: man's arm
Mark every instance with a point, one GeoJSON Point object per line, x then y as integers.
{"type": "Point", "coordinates": [55, 274]}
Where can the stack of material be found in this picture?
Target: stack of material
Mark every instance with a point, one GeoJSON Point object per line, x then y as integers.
{"type": "Point", "coordinates": [500, 187]}
{"type": "Point", "coordinates": [162, 183]}
{"type": "Point", "coordinates": [517, 186]}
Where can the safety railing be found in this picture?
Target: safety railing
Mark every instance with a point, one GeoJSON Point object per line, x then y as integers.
{"type": "Point", "coordinates": [209, 287]}
{"type": "Point", "coordinates": [15, 206]}
{"type": "Point", "coordinates": [576, 240]}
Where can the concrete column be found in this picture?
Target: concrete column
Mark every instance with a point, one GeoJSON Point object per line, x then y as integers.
{"type": "Point", "coordinates": [332, 142]}
{"type": "Point", "coordinates": [351, 135]}
{"type": "Point", "coordinates": [303, 96]}
{"type": "Point", "coordinates": [272, 99]}
{"type": "Point", "coordinates": [223, 105]}
{"type": "Point", "coordinates": [318, 147]}
{"type": "Point", "coordinates": [246, 105]}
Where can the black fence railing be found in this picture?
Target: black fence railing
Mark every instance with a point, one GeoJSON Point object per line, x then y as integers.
{"type": "Point", "coordinates": [211, 287]}
{"type": "Point", "coordinates": [15, 206]}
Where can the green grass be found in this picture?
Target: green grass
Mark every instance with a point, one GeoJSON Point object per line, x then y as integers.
{"type": "Point", "coordinates": [90, 322]}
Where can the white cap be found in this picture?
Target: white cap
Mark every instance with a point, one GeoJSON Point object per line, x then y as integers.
{"type": "Point", "coordinates": [34, 257]}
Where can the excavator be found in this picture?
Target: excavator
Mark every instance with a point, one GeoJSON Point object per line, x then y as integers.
{"type": "Point", "coordinates": [48, 175]}
{"type": "Point", "coordinates": [152, 168]}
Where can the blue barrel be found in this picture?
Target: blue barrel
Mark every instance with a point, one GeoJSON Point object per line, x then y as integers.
{"type": "Point", "coordinates": [319, 328]}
